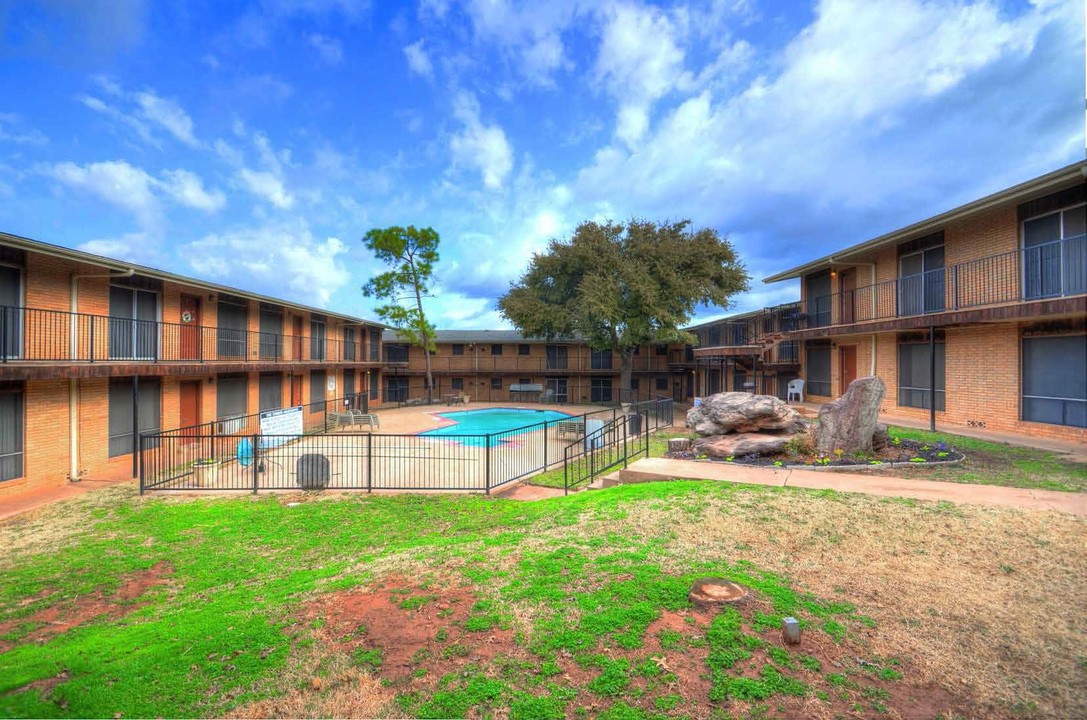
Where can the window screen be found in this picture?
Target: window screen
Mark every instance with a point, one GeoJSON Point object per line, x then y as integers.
{"type": "Point", "coordinates": [600, 390]}
{"type": "Point", "coordinates": [818, 371]}
{"type": "Point", "coordinates": [120, 412]}
{"type": "Point", "coordinates": [230, 396]}
{"type": "Point", "coordinates": [914, 375]}
{"type": "Point", "coordinates": [496, 383]}
{"type": "Point", "coordinates": [233, 321]}
{"type": "Point", "coordinates": [317, 340]}
{"type": "Point", "coordinates": [496, 349]}
{"type": "Point", "coordinates": [457, 383]}
{"type": "Point", "coordinates": [271, 391]}
{"type": "Point", "coordinates": [524, 349]}
{"type": "Point", "coordinates": [271, 334]}
{"type": "Point", "coordinates": [1055, 381]}
{"type": "Point", "coordinates": [317, 390]}
{"type": "Point", "coordinates": [600, 360]}
{"type": "Point", "coordinates": [12, 421]}
{"type": "Point", "coordinates": [458, 349]}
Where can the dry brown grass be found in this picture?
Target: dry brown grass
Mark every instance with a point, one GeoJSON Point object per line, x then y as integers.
{"type": "Point", "coordinates": [986, 602]}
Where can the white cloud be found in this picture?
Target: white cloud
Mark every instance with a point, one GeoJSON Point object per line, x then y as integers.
{"type": "Point", "coordinates": [13, 130]}
{"type": "Point", "coordinates": [418, 60]}
{"type": "Point", "coordinates": [167, 114]}
{"type": "Point", "coordinates": [126, 247]}
{"type": "Point", "coordinates": [266, 185]}
{"type": "Point", "coordinates": [134, 190]}
{"type": "Point", "coordinates": [272, 257]}
{"type": "Point", "coordinates": [187, 189]}
{"type": "Point", "coordinates": [329, 49]}
{"type": "Point", "coordinates": [484, 147]}
{"type": "Point", "coordinates": [144, 111]}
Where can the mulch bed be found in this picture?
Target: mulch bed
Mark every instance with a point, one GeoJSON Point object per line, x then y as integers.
{"type": "Point", "coordinates": [901, 451]}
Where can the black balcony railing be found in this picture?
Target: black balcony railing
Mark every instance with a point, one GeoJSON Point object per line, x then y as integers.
{"type": "Point", "coordinates": [1052, 270]}
{"type": "Point", "coordinates": [34, 335]}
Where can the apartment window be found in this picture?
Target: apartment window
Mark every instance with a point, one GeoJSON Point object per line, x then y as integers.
{"type": "Point", "coordinates": [524, 349]}
{"type": "Point", "coordinates": [635, 384]}
{"type": "Point", "coordinates": [1055, 254]}
{"type": "Point", "coordinates": [914, 374]}
{"type": "Point", "coordinates": [496, 383]}
{"type": "Point", "coordinates": [557, 357]}
{"type": "Point", "coordinates": [921, 281]}
{"type": "Point", "coordinates": [1054, 380]}
{"type": "Point", "coordinates": [374, 385]}
{"type": "Point", "coordinates": [348, 393]}
{"type": "Point", "coordinates": [661, 349]}
{"type": "Point", "coordinates": [230, 396]}
{"type": "Point", "coordinates": [375, 348]}
{"type": "Point", "coordinates": [133, 327]}
{"type": "Point", "coordinates": [496, 349]}
{"type": "Point", "coordinates": [11, 312]}
{"type": "Point", "coordinates": [349, 344]}
{"type": "Point", "coordinates": [600, 360]}
{"type": "Point", "coordinates": [317, 386]}
{"type": "Point", "coordinates": [458, 349]}
{"type": "Point", "coordinates": [271, 334]}
{"type": "Point", "coordinates": [662, 383]}
{"type": "Point", "coordinates": [396, 353]}
{"type": "Point", "coordinates": [817, 378]}
{"type": "Point", "coordinates": [317, 330]}
{"type": "Point", "coordinates": [739, 381]}
{"type": "Point", "coordinates": [457, 384]}
{"type": "Point", "coordinates": [120, 412]}
{"type": "Point", "coordinates": [270, 395]}
{"type": "Point", "coordinates": [817, 299]}
{"type": "Point", "coordinates": [396, 388]}
{"type": "Point", "coordinates": [600, 390]}
{"type": "Point", "coordinates": [12, 429]}
{"type": "Point", "coordinates": [233, 326]}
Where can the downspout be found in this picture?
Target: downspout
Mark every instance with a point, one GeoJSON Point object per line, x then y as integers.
{"type": "Point", "coordinates": [75, 474]}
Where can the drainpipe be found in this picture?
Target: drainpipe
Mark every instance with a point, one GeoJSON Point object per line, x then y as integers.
{"type": "Point", "coordinates": [74, 472]}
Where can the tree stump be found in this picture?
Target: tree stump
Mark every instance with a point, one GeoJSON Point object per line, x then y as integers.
{"type": "Point", "coordinates": [714, 592]}
{"type": "Point", "coordinates": [678, 444]}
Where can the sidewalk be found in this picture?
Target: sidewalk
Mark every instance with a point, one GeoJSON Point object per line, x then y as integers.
{"type": "Point", "coordinates": [27, 502]}
{"type": "Point", "coordinates": [650, 469]}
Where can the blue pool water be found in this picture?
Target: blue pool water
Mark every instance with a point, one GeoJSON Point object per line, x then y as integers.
{"type": "Point", "coordinates": [493, 420]}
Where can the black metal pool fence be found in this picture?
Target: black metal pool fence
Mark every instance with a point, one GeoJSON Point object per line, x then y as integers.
{"type": "Point", "coordinates": [235, 455]}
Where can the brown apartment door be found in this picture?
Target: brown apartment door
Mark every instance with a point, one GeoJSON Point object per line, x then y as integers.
{"type": "Point", "coordinates": [847, 365]}
{"type": "Point", "coordinates": [847, 286]}
{"type": "Point", "coordinates": [296, 390]}
{"type": "Point", "coordinates": [190, 409]}
{"type": "Point", "coordinates": [296, 341]}
{"type": "Point", "coordinates": [190, 327]}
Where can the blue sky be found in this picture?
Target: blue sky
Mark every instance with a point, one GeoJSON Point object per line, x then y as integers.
{"type": "Point", "coordinates": [253, 144]}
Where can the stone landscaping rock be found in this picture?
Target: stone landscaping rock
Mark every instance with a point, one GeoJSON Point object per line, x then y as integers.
{"type": "Point", "coordinates": [848, 423]}
{"type": "Point", "coordinates": [738, 445]}
{"type": "Point", "coordinates": [739, 412]}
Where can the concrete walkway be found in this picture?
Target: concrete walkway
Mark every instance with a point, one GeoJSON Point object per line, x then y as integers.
{"type": "Point", "coordinates": [650, 469]}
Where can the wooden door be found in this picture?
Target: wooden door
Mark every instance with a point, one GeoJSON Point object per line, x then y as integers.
{"type": "Point", "coordinates": [847, 287]}
{"type": "Point", "coordinates": [296, 342]}
{"type": "Point", "coordinates": [296, 390]}
{"type": "Point", "coordinates": [190, 409]}
{"type": "Point", "coordinates": [190, 328]}
{"type": "Point", "coordinates": [847, 366]}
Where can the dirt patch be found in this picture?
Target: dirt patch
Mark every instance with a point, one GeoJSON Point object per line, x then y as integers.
{"type": "Point", "coordinates": [65, 615]}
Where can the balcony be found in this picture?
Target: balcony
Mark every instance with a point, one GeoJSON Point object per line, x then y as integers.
{"type": "Point", "coordinates": [1023, 279]}
{"type": "Point", "coordinates": [31, 336]}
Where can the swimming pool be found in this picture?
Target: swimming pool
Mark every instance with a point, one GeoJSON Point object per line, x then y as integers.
{"type": "Point", "coordinates": [493, 420]}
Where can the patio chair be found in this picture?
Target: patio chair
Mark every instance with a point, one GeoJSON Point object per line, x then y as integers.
{"type": "Point", "coordinates": [795, 387]}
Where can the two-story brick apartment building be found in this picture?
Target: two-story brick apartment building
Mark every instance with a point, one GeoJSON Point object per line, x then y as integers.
{"type": "Point", "coordinates": [92, 348]}
{"type": "Point", "coordinates": [980, 311]}
{"type": "Point", "coordinates": [505, 366]}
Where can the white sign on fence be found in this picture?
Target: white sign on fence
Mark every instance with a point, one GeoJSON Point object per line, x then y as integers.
{"type": "Point", "coordinates": [280, 424]}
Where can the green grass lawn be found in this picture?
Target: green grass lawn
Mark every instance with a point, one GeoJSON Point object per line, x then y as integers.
{"type": "Point", "coordinates": [990, 463]}
{"type": "Point", "coordinates": [575, 606]}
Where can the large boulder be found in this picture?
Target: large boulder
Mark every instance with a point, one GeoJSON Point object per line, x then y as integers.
{"type": "Point", "coordinates": [738, 445]}
{"type": "Point", "coordinates": [740, 412]}
{"type": "Point", "coordinates": [848, 423]}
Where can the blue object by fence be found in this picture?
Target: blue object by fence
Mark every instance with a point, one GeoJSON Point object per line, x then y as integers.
{"type": "Point", "coordinates": [245, 452]}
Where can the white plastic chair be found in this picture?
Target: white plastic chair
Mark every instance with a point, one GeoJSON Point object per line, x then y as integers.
{"type": "Point", "coordinates": [796, 387]}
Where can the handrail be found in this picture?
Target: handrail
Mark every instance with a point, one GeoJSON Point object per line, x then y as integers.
{"type": "Point", "coordinates": [29, 334]}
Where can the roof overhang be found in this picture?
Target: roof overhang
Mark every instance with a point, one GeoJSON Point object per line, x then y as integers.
{"type": "Point", "coordinates": [1064, 177]}
{"type": "Point", "coordinates": [64, 253]}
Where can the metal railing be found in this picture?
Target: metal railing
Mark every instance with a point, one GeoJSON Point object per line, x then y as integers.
{"type": "Point", "coordinates": [1050, 270]}
{"type": "Point", "coordinates": [468, 365]}
{"type": "Point", "coordinates": [31, 335]}
{"type": "Point", "coordinates": [604, 447]}
{"type": "Point", "coordinates": [575, 393]}
{"type": "Point", "coordinates": [193, 459]}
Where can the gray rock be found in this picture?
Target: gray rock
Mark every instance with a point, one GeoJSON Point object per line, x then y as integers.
{"type": "Point", "coordinates": [739, 412]}
{"type": "Point", "coordinates": [737, 445]}
{"type": "Point", "coordinates": [848, 423]}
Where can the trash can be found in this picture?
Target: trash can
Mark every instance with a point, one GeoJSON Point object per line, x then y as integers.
{"type": "Point", "coordinates": [634, 424]}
